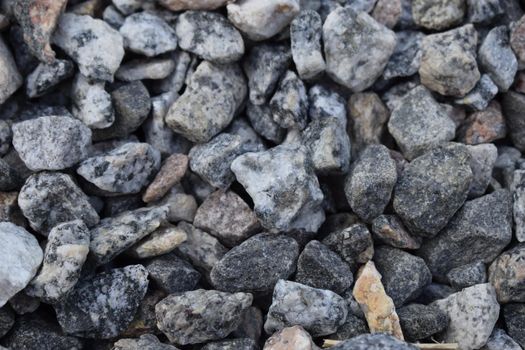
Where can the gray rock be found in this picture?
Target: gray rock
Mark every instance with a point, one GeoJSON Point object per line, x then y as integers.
{"type": "Point", "coordinates": [374, 342]}
{"type": "Point", "coordinates": [210, 36]}
{"type": "Point", "coordinates": [10, 78]}
{"type": "Point", "coordinates": [513, 104]}
{"type": "Point", "coordinates": [483, 126]}
{"type": "Point", "coordinates": [251, 325]}
{"type": "Point", "coordinates": [433, 292]}
{"type": "Point", "coordinates": [482, 159]}
{"type": "Point", "coordinates": [251, 140]}
{"type": "Point", "coordinates": [467, 239]}
{"type": "Point", "coordinates": [506, 164]}
{"type": "Point", "coordinates": [438, 15]}
{"type": "Point", "coordinates": [285, 198]}
{"type": "Point", "coordinates": [97, 48]}
{"type": "Point", "coordinates": [175, 81]}
{"type": "Point", "coordinates": [420, 321]}
{"type": "Point", "coordinates": [145, 342]}
{"type": "Point", "coordinates": [212, 160]}
{"type": "Point", "coordinates": [264, 65]}
{"type": "Point", "coordinates": [201, 315]}
{"type": "Point", "coordinates": [48, 199]}
{"type": "Point", "coordinates": [262, 121]}
{"type": "Point", "coordinates": [483, 11]}
{"type": "Point", "coordinates": [404, 275]}
{"type": "Point", "coordinates": [318, 311]}
{"type": "Point", "coordinates": [305, 36]}
{"type": "Point", "coordinates": [256, 264]}
{"type": "Point", "coordinates": [126, 169]}
{"type": "Point", "coordinates": [467, 275]}
{"type": "Point", "coordinates": [91, 103]}
{"type": "Point", "coordinates": [139, 69]}
{"type": "Point", "coordinates": [481, 95]}
{"type": "Point", "coordinates": [369, 186]}
{"type": "Point", "coordinates": [357, 40]}
{"type": "Point", "coordinates": [514, 316]}
{"type": "Point", "coordinates": [389, 229]}
{"type": "Point", "coordinates": [473, 312]}
{"type": "Point", "coordinates": [405, 60]}
{"type": "Point", "coordinates": [499, 339]}
{"type": "Point", "coordinates": [21, 258]}
{"type": "Point", "coordinates": [324, 103]}
{"type": "Point", "coordinates": [119, 204]}
{"type": "Point", "coordinates": [10, 178]}
{"type": "Point", "coordinates": [448, 64]}
{"type": "Point", "coordinates": [419, 123]}
{"type": "Point", "coordinates": [354, 244]}
{"type": "Point", "coordinates": [172, 274]}
{"type": "Point", "coordinates": [233, 344]}
{"type": "Point", "coordinates": [497, 59]}
{"type": "Point", "coordinates": [226, 216]}
{"type": "Point", "coordinates": [6, 136]}
{"type": "Point", "coordinates": [518, 196]}
{"type": "Point", "coordinates": [352, 327]}
{"type": "Point", "coordinates": [147, 34]}
{"type": "Point", "coordinates": [289, 104]}
{"type": "Point", "coordinates": [66, 251]}
{"type": "Point", "coordinates": [181, 206]}
{"type": "Point", "coordinates": [114, 235]}
{"type": "Point", "coordinates": [51, 143]}
{"type": "Point", "coordinates": [46, 76]}
{"type": "Point", "coordinates": [23, 304]}
{"type": "Point", "coordinates": [432, 188]}
{"type": "Point", "coordinates": [319, 267]}
{"type": "Point", "coordinates": [516, 37]}
{"type": "Point", "coordinates": [127, 7]}
{"type": "Point", "coordinates": [132, 105]}
{"type": "Point", "coordinates": [102, 306]}
{"type": "Point", "coordinates": [112, 16]}
{"type": "Point", "coordinates": [7, 319]}
{"type": "Point", "coordinates": [209, 103]}
{"type": "Point", "coordinates": [505, 274]}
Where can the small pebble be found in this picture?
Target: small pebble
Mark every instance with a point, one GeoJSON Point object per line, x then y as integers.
{"type": "Point", "coordinates": [154, 69]}
{"type": "Point", "coordinates": [506, 275]}
{"type": "Point", "coordinates": [499, 339]}
{"type": "Point", "coordinates": [47, 76]}
{"type": "Point", "coordinates": [482, 159]}
{"type": "Point", "coordinates": [161, 241]}
{"type": "Point", "coordinates": [91, 103]}
{"type": "Point", "coordinates": [170, 174]}
{"type": "Point", "coordinates": [389, 229]}
{"type": "Point", "coordinates": [289, 104]}
{"type": "Point", "coordinates": [438, 15]}
{"type": "Point", "coordinates": [467, 275]}
{"type": "Point", "coordinates": [305, 36]}
{"type": "Point", "coordinates": [145, 342]}
{"type": "Point", "coordinates": [290, 338]}
{"type": "Point", "coordinates": [172, 274]}
{"type": "Point", "coordinates": [353, 243]}
{"type": "Point", "coordinates": [483, 126]}
{"type": "Point", "coordinates": [513, 104]}
{"type": "Point", "coordinates": [481, 95]}
{"type": "Point", "coordinates": [127, 7]}
{"type": "Point", "coordinates": [181, 206]}
{"type": "Point", "coordinates": [514, 316]}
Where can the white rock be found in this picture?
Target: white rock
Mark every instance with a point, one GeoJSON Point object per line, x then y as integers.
{"type": "Point", "coordinates": [91, 103]}
{"type": "Point", "coordinates": [10, 78]}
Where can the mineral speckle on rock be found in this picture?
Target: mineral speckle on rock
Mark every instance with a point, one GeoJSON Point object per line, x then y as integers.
{"type": "Point", "coordinates": [389, 229]}
{"type": "Point", "coordinates": [506, 275]}
{"type": "Point", "coordinates": [172, 274]}
{"type": "Point", "coordinates": [467, 275]}
{"type": "Point", "coordinates": [438, 15]}
{"type": "Point", "coordinates": [145, 342]}
{"type": "Point", "coordinates": [289, 104]}
{"type": "Point", "coordinates": [483, 126]}
{"type": "Point", "coordinates": [46, 76]}
{"type": "Point", "coordinates": [421, 321]}
{"type": "Point", "coordinates": [171, 172]}
{"type": "Point", "coordinates": [305, 36]}
{"type": "Point", "coordinates": [91, 103]}
{"type": "Point", "coordinates": [499, 339]}
{"type": "Point", "coordinates": [481, 95]}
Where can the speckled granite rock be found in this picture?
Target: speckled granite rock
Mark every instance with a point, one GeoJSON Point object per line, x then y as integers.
{"type": "Point", "coordinates": [305, 36]}
{"type": "Point", "coordinates": [405, 60]}
{"type": "Point", "coordinates": [481, 95]}
{"type": "Point", "coordinates": [354, 244]}
{"type": "Point", "coordinates": [506, 274]}
{"type": "Point", "coordinates": [482, 159]}
{"type": "Point", "coordinates": [10, 78]}
{"type": "Point", "coordinates": [438, 15]}
{"type": "Point", "coordinates": [513, 103]}
{"type": "Point", "coordinates": [514, 316]}
{"type": "Point", "coordinates": [289, 104]}
{"type": "Point", "coordinates": [145, 342]}
{"type": "Point", "coordinates": [233, 344]}
{"type": "Point", "coordinates": [161, 241]}
{"type": "Point", "coordinates": [467, 275]}
{"type": "Point", "coordinates": [47, 76]}
{"type": "Point", "coordinates": [517, 43]}
{"type": "Point", "coordinates": [499, 339]}
{"type": "Point", "coordinates": [421, 321]}
{"type": "Point", "coordinates": [482, 11]}
{"type": "Point", "coordinates": [389, 229]}
{"type": "Point", "coordinates": [291, 337]}
{"type": "Point", "coordinates": [483, 126]}
{"type": "Point", "coordinates": [518, 195]}
{"type": "Point", "coordinates": [172, 274]}
{"type": "Point", "coordinates": [374, 342]}
{"type": "Point", "coordinates": [91, 103]}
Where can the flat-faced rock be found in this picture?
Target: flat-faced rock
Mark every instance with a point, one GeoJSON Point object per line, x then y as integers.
{"type": "Point", "coordinates": [102, 306]}
{"type": "Point", "coordinates": [483, 126]}
{"type": "Point", "coordinates": [91, 103]}
{"type": "Point", "coordinates": [405, 60]}
{"type": "Point", "coordinates": [10, 78]}
{"type": "Point", "coordinates": [438, 15]}
{"type": "Point", "coordinates": [325, 103]}
{"type": "Point", "coordinates": [507, 275]}
{"type": "Point", "coordinates": [482, 159]}
{"type": "Point", "coordinates": [356, 39]}
{"type": "Point", "coordinates": [354, 244]}
{"type": "Point", "coordinates": [93, 44]}
{"type": "Point", "coordinates": [140, 69]}
{"type": "Point", "coordinates": [421, 321]}
{"type": "Point", "coordinates": [390, 230]}
{"type": "Point", "coordinates": [374, 342]}
{"type": "Point", "coordinates": [432, 188]}
{"type": "Point", "coordinates": [467, 275]}
{"type": "Point", "coordinates": [46, 76]}
{"type": "Point", "coordinates": [172, 274]}
{"type": "Point", "coordinates": [171, 172]}
{"type": "Point", "coordinates": [145, 342]}
{"type": "Point", "coordinates": [201, 315]}
{"type": "Point", "coordinates": [318, 311]}
{"type": "Point", "coordinates": [483, 11]}
{"type": "Point", "coordinates": [289, 104]}
{"type": "Point", "coordinates": [514, 316]}
{"type": "Point", "coordinates": [181, 206]}
{"type": "Point", "coordinates": [448, 64]}
{"type": "Point", "coordinates": [21, 258]}
{"type": "Point", "coordinates": [48, 199]}
{"type": "Point", "coordinates": [290, 338]}
{"type": "Point", "coordinates": [305, 36]}
{"type": "Point", "coordinates": [499, 339]}
{"type": "Point", "coordinates": [161, 241]}
{"type": "Point", "coordinates": [481, 95]}
{"type": "Point", "coordinates": [178, 5]}
{"type": "Point", "coordinates": [518, 196]}
{"type": "Point", "coordinates": [513, 103]}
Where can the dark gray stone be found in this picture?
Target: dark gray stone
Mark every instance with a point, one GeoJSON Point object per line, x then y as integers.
{"type": "Point", "coordinates": [46, 76]}
{"type": "Point", "coordinates": [325, 102]}
{"type": "Point", "coordinates": [514, 316]}
{"type": "Point", "coordinates": [506, 275]}
{"type": "Point", "coordinates": [513, 104]}
{"type": "Point", "coordinates": [499, 339]}
{"type": "Point", "coordinates": [419, 322]}
{"type": "Point", "coordinates": [404, 62]}
{"type": "Point", "coordinates": [483, 11]}
{"type": "Point", "coordinates": [374, 342]}
{"type": "Point", "coordinates": [482, 159]}
{"type": "Point", "coordinates": [172, 274]}
{"type": "Point", "coordinates": [233, 344]}
{"type": "Point", "coordinates": [352, 327]}
{"type": "Point", "coordinates": [480, 96]}
{"type": "Point", "coordinates": [354, 244]}
{"type": "Point", "coordinates": [467, 275]}
{"type": "Point", "coordinates": [390, 230]}
{"type": "Point", "coordinates": [7, 319]}
{"type": "Point", "coordinates": [261, 118]}
{"type": "Point", "coordinates": [145, 342]}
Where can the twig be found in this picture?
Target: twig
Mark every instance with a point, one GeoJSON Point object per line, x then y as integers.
{"type": "Point", "coordinates": [440, 346]}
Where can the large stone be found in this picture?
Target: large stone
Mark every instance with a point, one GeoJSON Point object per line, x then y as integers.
{"type": "Point", "coordinates": [499, 339]}
{"type": "Point", "coordinates": [305, 36]}
{"type": "Point", "coordinates": [432, 188]}
{"type": "Point", "coordinates": [354, 39]}
{"type": "Point", "coordinates": [480, 230]}
{"type": "Point", "coordinates": [473, 312]}
{"type": "Point", "coordinates": [507, 275]}
{"type": "Point", "coordinates": [201, 315]}
{"type": "Point", "coordinates": [318, 311]}
{"type": "Point", "coordinates": [289, 104]}
{"type": "Point", "coordinates": [421, 321]}
{"type": "Point", "coordinates": [91, 103]}
{"type": "Point", "coordinates": [21, 258]}
{"type": "Point", "coordinates": [51, 143]}
{"type": "Point", "coordinates": [10, 78]}
{"type": "Point", "coordinates": [173, 274]}
{"type": "Point", "coordinates": [438, 15]}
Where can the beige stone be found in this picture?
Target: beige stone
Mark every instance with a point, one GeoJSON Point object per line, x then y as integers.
{"type": "Point", "coordinates": [162, 241]}
{"type": "Point", "coordinates": [169, 175]}
{"type": "Point", "coordinates": [295, 338]}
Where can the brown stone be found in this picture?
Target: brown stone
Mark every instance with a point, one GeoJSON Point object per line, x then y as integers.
{"type": "Point", "coordinates": [517, 41]}
{"type": "Point", "coordinates": [483, 126]}
{"type": "Point", "coordinates": [377, 306]}
{"type": "Point", "coordinates": [295, 338]}
{"type": "Point", "coordinates": [179, 5]}
{"type": "Point", "coordinates": [390, 230]}
{"type": "Point", "coordinates": [226, 216]}
{"type": "Point", "coordinates": [38, 19]}
{"type": "Point", "coordinates": [507, 275]}
{"type": "Point", "coordinates": [169, 175]}
{"type": "Point", "coordinates": [387, 12]}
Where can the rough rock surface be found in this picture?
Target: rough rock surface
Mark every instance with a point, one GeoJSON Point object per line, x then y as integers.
{"type": "Point", "coordinates": [374, 342]}
{"type": "Point", "coordinates": [289, 104]}
{"type": "Point", "coordinates": [91, 103]}
{"type": "Point", "coordinates": [170, 174]}
{"type": "Point", "coordinates": [161, 241]}
{"type": "Point", "coordinates": [172, 274]}
{"type": "Point", "coordinates": [518, 196]}
{"type": "Point", "coordinates": [354, 244]}
{"type": "Point", "coordinates": [483, 126]}
{"type": "Point", "coordinates": [405, 60]}
{"type": "Point", "coordinates": [145, 342]}
{"type": "Point", "coordinates": [499, 339]}
{"type": "Point", "coordinates": [46, 76]}
{"type": "Point", "coordinates": [290, 338]}
{"type": "Point", "coordinates": [514, 316]}
{"type": "Point", "coordinates": [178, 5]}
{"type": "Point", "coordinates": [517, 42]}
{"type": "Point", "coordinates": [438, 15]}
{"type": "Point", "coordinates": [507, 275]}
{"type": "Point", "coordinates": [305, 36]}
{"type": "Point", "coordinates": [421, 321]}
{"type": "Point", "coordinates": [479, 97]}
{"type": "Point", "coordinates": [389, 229]}
{"type": "Point", "coordinates": [482, 159]}
{"type": "Point", "coordinates": [10, 78]}
{"type": "Point", "coordinates": [513, 104]}
{"type": "Point", "coordinates": [467, 275]}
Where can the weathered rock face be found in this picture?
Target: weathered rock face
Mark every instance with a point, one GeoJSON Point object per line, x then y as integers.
{"type": "Point", "coordinates": [172, 274]}
{"type": "Point", "coordinates": [438, 15]}
{"type": "Point", "coordinates": [46, 76]}
{"type": "Point", "coordinates": [495, 50]}
{"type": "Point", "coordinates": [421, 321]}
{"type": "Point", "coordinates": [482, 159]}
{"type": "Point", "coordinates": [353, 39]}
{"type": "Point", "coordinates": [318, 311]}
{"type": "Point", "coordinates": [161, 241]}
{"type": "Point", "coordinates": [10, 78]}
{"type": "Point", "coordinates": [507, 275]}
{"type": "Point", "coordinates": [296, 196]}
{"type": "Point", "coordinates": [513, 103]}
{"type": "Point", "coordinates": [518, 196]}
{"type": "Point", "coordinates": [145, 342]}
{"type": "Point", "coordinates": [21, 258]}
{"type": "Point", "coordinates": [374, 342]}
{"type": "Point", "coordinates": [201, 315]}
{"type": "Point", "coordinates": [390, 230]}
{"type": "Point", "coordinates": [473, 312]}
{"type": "Point", "coordinates": [479, 97]}
{"type": "Point", "coordinates": [289, 104]}
{"type": "Point", "coordinates": [305, 36]}
{"type": "Point", "coordinates": [514, 316]}
{"type": "Point", "coordinates": [354, 244]}
{"type": "Point", "coordinates": [499, 339]}
{"type": "Point", "coordinates": [290, 338]}
{"type": "Point", "coordinates": [103, 305]}
{"type": "Point", "coordinates": [91, 103]}
{"type": "Point", "coordinates": [170, 174]}
{"type": "Point", "coordinates": [405, 60]}
{"type": "Point", "coordinates": [178, 5]}
{"type": "Point", "coordinates": [467, 275]}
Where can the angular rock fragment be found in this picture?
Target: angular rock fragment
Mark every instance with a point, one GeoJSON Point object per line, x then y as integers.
{"type": "Point", "coordinates": [140, 69]}
{"type": "Point", "coordinates": [97, 48]}
{"type": "Point", "coordinates": [126, 169]}
{"type": "Point", "coordinates": [390, 230]}
{"type": "Point", "coordinates": [377, 306]}
{"type": "Point", "coordinates": [305, 36]}
{"type": "Point", "coordinates": [147, 34]}
{"type": "Point", "coordinates": [48, 199]}
{"type": "Point", "coordinates": [91, 103]}
{"type": "Point", "coordinates": [114, 235]}
{"type": "Point", "coordinates": [473, 312]}
{"type": "Point", "coordinates": [467, 275]}
{"type": "Point", "coordinates": [318, 311]}
{"type": "Point", "coordinates": [497, 59]}
{"type": "Point", "coordinates": [295, 194]}
{"type": "Point", "coordinates": [438, 15]}
{"type": "Point", "coordinates": [514, 316]}
{"type": "Point", "coordinates": [517, 42]}
{"type": "Point", "coordinates": [499, 339]}
{"type": "Point", "coordinates": [518, 196]}
{"type": "Point", "coordinates": [483, 11]}
{"type": "Point", "coordinates": [66, 251]}
{"type": "Point", "coordinates": [289, 104]}
{"type": "Point", "coordinates": [371, 181]}
{"type": "Point", "coordinates": [513, 104]}
{"type": "Point", "coordinates": [232, 344]}
{"type": "Point", "coordinates": [482, 159]}
{"type": "Point", "coordinates": [226, 216]}
{"type": "Point", "coordinates": [51, 143]}
{"type": "Point", "coordinates": [210, 36]}
{"type": "Point", "coordinates": [432, 188]}
{"type": "Point", "coordinates": [507, 275]}
{"type": "Point", "coordinates": [405, 60]}
{"type": "Point", "coordinates": [262, 20]}
{"type": "Point", "coordinates": [46, 76]}
{"type": "Point", "coordinates": [256, 264]}
{"type": "Point", "coordinates": [201, 315]}
{"type": "Point", "coordinates": [325, 103]}
{"type": "Point", "coordinates": [161, 241]}
{"type": "Point", "coordinates": [421, 321]}
{"type": "Point", "coordinates": [7, 319]}
{"type": "Point", "coordinates": [181, 206]}
{"type": "Point", "coordinates": [353, 39]}
{"type": "Point", "coordinates": [145, 342]}
{"type": "Point", "coordinates": [467, 239]}
{"type": "Point", "coordinates": [103, 305]}
{"type": "Point", "coordinates": [481, 95]}
{"type": "Point", "coordinates": [173, 274]}
{"type": "Point", "coordinates": [170, 174]}
{"type": "Point", "coordinates": [290, 338]}
{"type": "Point", "coordinates": [352, 327]}
{"type": "Point", "coordinates": [374, 342]}
{"type": "Point", "coordinates": [419, 123]}
{"type": "Point", "coordinates": [353, 243]}
{"type": "Point", "coordinates": [483, 126]}
{"type": "Point", "coordinates": [448, 64]}
{"type": "Point", "coordinates": [21, 258]}
{"type": "Point", "coordinates": [178, 5]}
{"type": "Point", "coordinates": [387, 12]}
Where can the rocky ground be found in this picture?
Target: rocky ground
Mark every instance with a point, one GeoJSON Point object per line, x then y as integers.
{"type": "Point", "coordinates": [262, 174]}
